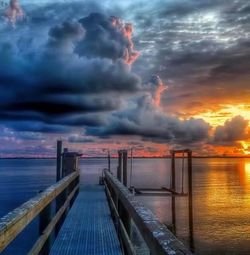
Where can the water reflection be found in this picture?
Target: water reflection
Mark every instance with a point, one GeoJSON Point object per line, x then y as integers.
{"type": "Point", "coordinates": [221, 203]}
{"type": "Point", "coordinates": [221, 197]}
{"type": "Point", "coordinates": [247, 170]}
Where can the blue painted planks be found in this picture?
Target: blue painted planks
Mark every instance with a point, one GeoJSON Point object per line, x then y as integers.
{"type": "Point", "coordinates": [88, 228]}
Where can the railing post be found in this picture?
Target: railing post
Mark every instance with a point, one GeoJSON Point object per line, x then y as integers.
{"type": "Point", "coordinates": [125, 167]}
{"type": "Point", "coordinates": [173, 170]}
{"type": "Point", "coordinates": [119, 168]}
{"type": "Point", "coordinates": [190, 199]}
{"type": "Point", "coordinates": [109, 161]}
{"type": "Point", "coordinates": [44, 219]}
{"type": "Point", "coordinates": [59, 161]}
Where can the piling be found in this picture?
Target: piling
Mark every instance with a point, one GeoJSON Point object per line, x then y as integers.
{"type": "Point", "coordinates": [125, 167]}
{"type": "Point", "coordinates": [119, 168]}
{"type": "Point", "coordinates": [173, 170]}
{"type": "Point", "coordinates": [190, 200]}
{"type": "Point", "coordinates": [109, 161]}
{"type": "Point", "coordinates": [59, 161]}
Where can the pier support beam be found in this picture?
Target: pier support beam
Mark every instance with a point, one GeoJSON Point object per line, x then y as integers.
{"type": "Point", "coordinates": [172, 170]}
{"type": "Point", "coordinates": [190, 191]}
{"type": "Point", "coordinates": [59, 161]}
{"type": "Point", "coordinates": [119, 168]}
{"type": "Point", "coordinates": [109, 161]}
{"type": "Point", "coordinates": [125, 167]}
{"type": "Point", "coordinates": [190, 200]}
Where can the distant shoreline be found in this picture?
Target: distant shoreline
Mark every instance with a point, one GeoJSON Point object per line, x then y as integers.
{"type": "Point", "coordinates": [198, 157]}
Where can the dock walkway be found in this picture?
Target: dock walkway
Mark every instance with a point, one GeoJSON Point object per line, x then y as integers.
{"type": "Point", "coordinates": [88, 228]}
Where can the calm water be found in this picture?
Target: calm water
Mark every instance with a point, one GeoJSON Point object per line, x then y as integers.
{"type": "Point", "coordinates": [221, 198]}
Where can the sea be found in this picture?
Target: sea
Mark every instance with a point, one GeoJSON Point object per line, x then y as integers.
{"type": "Point", "coordinates": [221, 197]}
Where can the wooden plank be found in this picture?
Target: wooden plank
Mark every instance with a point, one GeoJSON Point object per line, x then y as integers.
{"type": "Point", "coordinates": [158, 238]}
{"type": "Point", "coordinates": [48, 230]}
{"type": "Point", "coordinates": [14, 222]}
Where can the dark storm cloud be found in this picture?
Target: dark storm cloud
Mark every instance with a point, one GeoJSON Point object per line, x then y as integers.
{"type": "Point", "coordinates": [148, 121]}
{"type": "Point", "coordinates": [193, 43]}
{"type": "Point", "coordinates": [232, 131]}
{"type": "Point", "coordinates": [80, 139]}
{"type": "Point", "coordinates": [114, 35]}
{"type": "Point", "coordinates": [57, 81]}
{"type": "Point", "coordinates": [57, 75]}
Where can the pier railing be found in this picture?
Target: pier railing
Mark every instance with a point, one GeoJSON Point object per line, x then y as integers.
{"type": "Point", "coordinates": [125, 209]}
{"type": "Point", "coordinates": [62, 193]}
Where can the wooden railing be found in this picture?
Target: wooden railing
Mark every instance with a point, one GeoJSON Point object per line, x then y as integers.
{"type": "Point", "coordinates": [62, 193]}
{"type": "Point", "coordinates": [125, 209]}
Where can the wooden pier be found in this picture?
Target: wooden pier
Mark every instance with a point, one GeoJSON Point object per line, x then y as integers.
{"type": "Point", "coordinates": [90, 220]}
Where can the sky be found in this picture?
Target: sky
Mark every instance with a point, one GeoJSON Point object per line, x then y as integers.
{"type": "Point", "coordinates": [108, 75]}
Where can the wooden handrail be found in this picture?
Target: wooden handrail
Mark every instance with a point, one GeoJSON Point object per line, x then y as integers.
{"type": "Point", "coordinates": [14, 222]}
{"type": "Point", "coordinates": [158, 238]}
{"type": "Point", "coordinates": [46, 233]}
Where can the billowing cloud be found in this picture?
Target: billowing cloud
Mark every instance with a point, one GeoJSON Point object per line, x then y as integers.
{"type": "Point", "coordinates": [75, 138]}
{"type": "Point", "coordinates": [147, 120]}
{"type": "Point", "coordinates": [67, 67]}
{"type": "Point", "coordinates": [14, 11]}
{"type": "Point", "coordinates": [62, 80]}
{"type": "Point", "coordinates": [232, 131]}
{"type": "Point", "coordinates": [110, 38]}
{"type": "Point", "coordinates": [157, 88]}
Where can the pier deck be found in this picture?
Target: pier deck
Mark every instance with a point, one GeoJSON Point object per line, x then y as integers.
{"type": "Point", "coordinates": [88, 228]}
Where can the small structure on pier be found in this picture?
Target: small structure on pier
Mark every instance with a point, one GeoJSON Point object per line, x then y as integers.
{"type": "Point", "coordinates": [67, 161]}
{"type": "Point", "coordinates": [70, 162]}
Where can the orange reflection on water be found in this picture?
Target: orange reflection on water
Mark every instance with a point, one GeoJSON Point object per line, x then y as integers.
{"type": "Point", "coordinates": [247, 171]}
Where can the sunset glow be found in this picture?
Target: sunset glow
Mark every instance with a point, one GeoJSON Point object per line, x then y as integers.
{"type": "Point", "coordinates": [226, 112]}
{"type": "Point", "coordinates": [103, 74]}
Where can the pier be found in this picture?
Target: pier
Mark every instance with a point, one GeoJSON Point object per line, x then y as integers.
{"type": "Point", "coordinates": [91, 219]}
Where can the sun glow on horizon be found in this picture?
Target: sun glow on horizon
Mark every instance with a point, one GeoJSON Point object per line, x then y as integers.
{"type": "Point", "coordinates": [227, 112]}
{"type": "Point", "coordinates": [247, 168]}
{"type": "Point", "coordinates": [246, 149]}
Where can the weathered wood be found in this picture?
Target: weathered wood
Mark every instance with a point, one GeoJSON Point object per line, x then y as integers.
{"type": "Point", "coordinates": [173, 171]}
{"type": "Point", "coordinates": [190, 200]}
{"type": "Point", "coordinates": [37, 247]}
{"type": "Point", "coordinates": [125, 167]}
{"type": "Point", "coordinates": [159, 239]}
{"type": "Point", "coordinates": [14, 222]}
{"type": "Point", "coordinates": [119, 168]}
{"type": "Point", "coordinates": [109, 161]}
{"type": "Point", "coordinates": [59, 161]}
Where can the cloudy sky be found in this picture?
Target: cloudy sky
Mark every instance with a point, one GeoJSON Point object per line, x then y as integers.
{"type": "Point", "coordinates": [152, 75]}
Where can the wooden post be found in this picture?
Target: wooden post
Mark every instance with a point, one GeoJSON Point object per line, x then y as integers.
{"type": "Point", "coordinates": [59, 161]}
{"type": "Point", "coordinates": [59, 176]}
{"type": "Point", "coordinates": [131, 168]}
{"type": "Point", "coordinates": [190, 200]}
{"type": "Point", "coordinates": [109, 161]}
{"type": "Point", "coordinates": [125, 168]}
{"type": "Point", "coordinates": [173, 170]}
{"type": "Point", "coordinates": [119, 168]}
{"type": "Point", "coordinates": [173, 215]}
{"type": "Point", "coordinates": [44, 219]}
